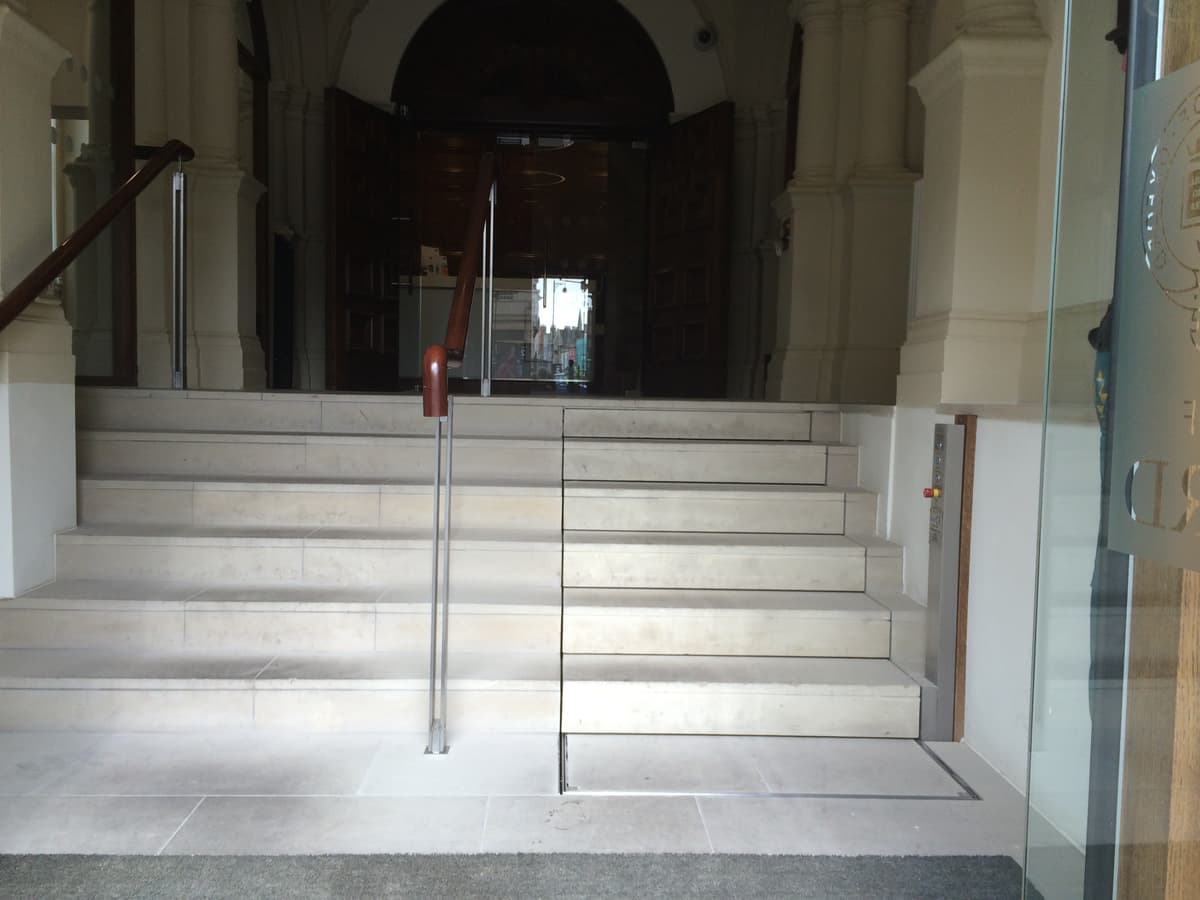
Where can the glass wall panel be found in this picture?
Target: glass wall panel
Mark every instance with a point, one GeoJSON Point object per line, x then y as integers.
{"type": "Point", "coordinates": [1114, 783]}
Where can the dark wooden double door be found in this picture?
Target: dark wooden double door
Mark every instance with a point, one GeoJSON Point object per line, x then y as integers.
{"type": "Point", "coordinates": [392, 190]}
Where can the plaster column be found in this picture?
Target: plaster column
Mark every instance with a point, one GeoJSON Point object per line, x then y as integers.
{"type": "Point", "coordinates": [975, 250]}
{"type": "Point", "coordinates": [885, 85]}
{"type": "Point", "coordinates": [871, 327]}
{"type": "Point", "coordinates": [154, 205]}
{"type": "Point", "coordinates": [812, 213]}
{"type": "Point", "coordinates": [37, 370]}
{"type": "Point", "coordinates": [816, 133]}
{"type": "Point", "coordinates": [311, 255]}
{"type": "Point", "coordinates": [222, 245]}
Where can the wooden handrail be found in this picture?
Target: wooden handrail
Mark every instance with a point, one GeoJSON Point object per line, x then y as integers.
{"type": "Point", "coordinates": [435, 382]}
{"type": "Point", "coordinates": [35, 284]}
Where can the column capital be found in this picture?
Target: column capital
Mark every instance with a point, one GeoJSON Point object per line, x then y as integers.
{"type": "Point", "coordinates": [887, 9]}
{"type": "Point", "coordinates": [815, 15]}
{"type": "Point", "coordinates": [1000, 16]}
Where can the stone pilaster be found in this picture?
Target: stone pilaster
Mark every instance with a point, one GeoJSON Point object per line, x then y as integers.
{"type": "Point", "coordinates": [310, 257]}
{"type": "Point", "coordinates": [812, 212]}
{"type": "Point", "coordinates": [37, 370]}
{"type": "Point", "coordinates": [975, 262]}
{"type": "Point", "coordinates": [222, 245]}
{"type": "Point", "coordinates": [154, 206]}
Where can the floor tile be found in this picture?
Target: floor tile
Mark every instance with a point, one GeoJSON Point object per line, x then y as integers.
{"type": "Point", "coordinates": [859, 826]}
{"type": "Point", "coordinates": [594, 825]}
{"type": "Point", "coordinates": [30, 761]}
{"type": "Point", "coordinates": [138, 825]}
{"type": "Point", "coordinates": [297, 825]}
{"type": "Point", "coordinates": [661, 764]}
{"type": "Point", "coordinates": [860, 767]}
{"type": "Point", "coordinates": [215, 764]}
{"type": "Point", "coordinates": [477, 765]}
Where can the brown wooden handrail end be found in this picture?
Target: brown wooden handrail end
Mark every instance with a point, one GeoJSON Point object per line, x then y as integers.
{"type": "Point", "coordinates": [435, 383]}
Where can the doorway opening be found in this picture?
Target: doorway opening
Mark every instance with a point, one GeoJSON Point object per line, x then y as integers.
{"type": "Point", "coordinates": [610, 237]}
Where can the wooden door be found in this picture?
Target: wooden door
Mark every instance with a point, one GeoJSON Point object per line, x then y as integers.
{"type": "Point", "coordinates": [373, 250]}
{"type": "Point", "coordinates": [688, 294]}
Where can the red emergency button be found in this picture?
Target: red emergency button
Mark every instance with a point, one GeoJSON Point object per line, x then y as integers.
{"type": "Point", "coordinates": [931, 493]}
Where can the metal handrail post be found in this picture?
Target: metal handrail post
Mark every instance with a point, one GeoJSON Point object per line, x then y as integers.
{"type": "Point", "coordinates": [445, 660]}
{"type": "Point", "coordinates": [436, 732]}
{"type": "Point", "coordinates": [488, 290]}
{"type": "Point", "coordinates": [179, 279]}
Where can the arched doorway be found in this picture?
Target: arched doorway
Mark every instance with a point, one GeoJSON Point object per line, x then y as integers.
{"type": "Point", "coordinates": [582, 133]}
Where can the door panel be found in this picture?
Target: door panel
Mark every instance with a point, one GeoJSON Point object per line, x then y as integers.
{"type": "Point", "coordinates": [688, 300]}
{"type": "Point", "coordinates": [373, 252]}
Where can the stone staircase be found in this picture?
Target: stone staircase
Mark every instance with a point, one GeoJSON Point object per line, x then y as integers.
{"type": "Point", "coordinates": [250, 561]}
{"type": "Point", "coordinates": [721, 579]}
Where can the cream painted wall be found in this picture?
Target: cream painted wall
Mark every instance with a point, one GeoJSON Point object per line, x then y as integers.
{"type": "Point", "coordinates": [67, 22]}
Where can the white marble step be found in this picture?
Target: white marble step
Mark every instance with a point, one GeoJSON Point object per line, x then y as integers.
{"type": "Point", "coordinates": [234, 455]}
{"type": "Point", "coordinates": [167, 616]}
{"type": "Point", "coordinates": [724, 623]}
{"type": "Point", "coordinates": [115, 499]}
{"type": "Point", "coordinates": [141, 409]}
{"type": "Point", "coordinates": [738, 695]}
{"type": "Point", "coordinates": [70, 690]}
{"type": "Point", "coordinates": [297, 413]}
{"type": "Point", "coordinates": [703, 423]}
{"type": "Point", "coordinates": [321, 556]}
{"type": "Point", "coordinates": [741, 508]}
{"type": "Point", "coordinates": [721, 462]}
{"type": "Point", "coordinates": [773, 562]}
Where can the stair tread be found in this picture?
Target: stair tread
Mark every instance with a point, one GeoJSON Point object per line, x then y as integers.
{"type": "Point", "coordinates": [659, 541]}
{"type": "Point", "coordinates": [576, 487]}
{"type": "Point", "coordinates": [732, 445]}
{"type": "Point", "coordinates": [294, 437]}
{"type": "Point", "coordinates": [468, 596]}
{"type": "Point", "coordinates": [793, 675]}
{"type": "Point", "coordinates": [301, 483]}
{"type": "Point", "coordinates": [626, 601]}
{"type": "Point", "coordinates": [168, 535]}
{"type": "Point", "coordinates": [184, 669]}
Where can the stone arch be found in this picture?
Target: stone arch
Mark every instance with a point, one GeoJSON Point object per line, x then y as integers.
{"type": "Point", "coordinates": [534, 63]}
{"type": "Point", "coordinates": [382, 31]}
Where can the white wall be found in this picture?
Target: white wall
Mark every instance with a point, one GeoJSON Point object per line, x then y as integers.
{"type": "Point", "coordinates": [1002, 592]}
{"type": "Point", "coordinates": [873, 431]}
{"type": "Point", "coordinates": [37, 494]}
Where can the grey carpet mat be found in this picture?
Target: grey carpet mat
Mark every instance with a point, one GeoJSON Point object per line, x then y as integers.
{"type": "Point", "coordinates": [516, 876]}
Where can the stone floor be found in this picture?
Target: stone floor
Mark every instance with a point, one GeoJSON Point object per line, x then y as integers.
{"type": "Point", "coordinates": [306, 794]}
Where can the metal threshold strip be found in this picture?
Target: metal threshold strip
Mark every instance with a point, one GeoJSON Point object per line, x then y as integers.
{"type": "Point", "coordinates": [966, 792]}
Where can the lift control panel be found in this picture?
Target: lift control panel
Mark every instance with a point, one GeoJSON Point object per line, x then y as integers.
{"type": "Point", "coordinates": [941, 624]}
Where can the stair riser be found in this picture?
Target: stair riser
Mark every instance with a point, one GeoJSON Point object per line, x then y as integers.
{"type": "Point", "coordinates": [782, 464]}
{"type": "Point", "coordinates": [303, 562]}
{"type": "Point", "coordinates": [631, 708]}
{"type": "Point", "coordinates": [346, 506]}
{"type": "Point", "coordinates": [709, 567]}
{"type": "Point", "coordinates": [303, 709]}
{"type": "Point", "coordinates": [281, 631]}
{"type": "Point", "coordinates": [750, 634]}
{"type": "Point", "coordinates": [709, 425]}
{"type": "Point", "coordinates": [779, 515]}
{"type": "Point", "coordinates": [405, 459]}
